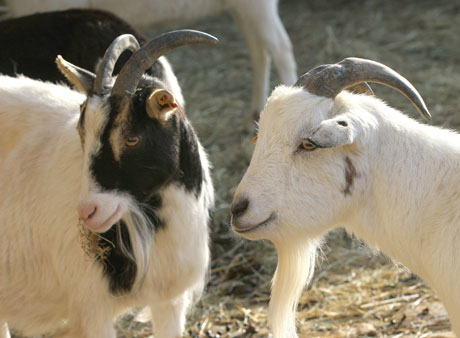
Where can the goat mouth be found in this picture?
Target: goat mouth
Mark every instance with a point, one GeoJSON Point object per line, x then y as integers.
{"type": "Point", "coordinates": [107, 224]}
{"type": "Point", "coordinates": [251, 228]}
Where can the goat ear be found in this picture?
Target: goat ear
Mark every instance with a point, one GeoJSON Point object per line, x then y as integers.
{"type": "Point", "coordinates": [82, 79]}
{"type": "Point", "coordinates": [335, 132]}
{"type": "Point", "coordinates": [160, 104]}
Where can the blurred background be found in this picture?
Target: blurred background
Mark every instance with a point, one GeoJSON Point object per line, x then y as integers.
{"type": "Point", "coordinates": [356, 291]}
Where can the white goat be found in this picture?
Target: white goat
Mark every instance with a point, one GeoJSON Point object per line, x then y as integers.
{"type": "Point", "coordinates": [258, 20]}
{"type": "Point", "coordinates": [326, 158]}
{"type": "Point", "coordinates": [137, 177]}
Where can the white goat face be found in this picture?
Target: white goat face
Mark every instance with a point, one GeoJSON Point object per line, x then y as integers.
{"type": "Point", "coordinates": [286, 182]}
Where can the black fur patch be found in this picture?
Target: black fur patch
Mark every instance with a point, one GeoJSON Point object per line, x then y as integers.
{"type": "Point", "coordinates": [166, 154]}
{"type": "Point", "coordinates": [120, 269]}
{"type": "Point", "coordinates": [190, 170]}
{"type": "Point", "coordinates": [350, 175]}
{"type": "Point", "coordinates": [81, 36]}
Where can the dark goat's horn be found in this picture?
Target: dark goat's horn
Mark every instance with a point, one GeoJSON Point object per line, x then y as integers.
{"type": "Point", "coordinates": [104, 73]}
{"type": "Point", "coordinates": [330, 80]}
{"type": "Point", "coordinates": [143, 59]}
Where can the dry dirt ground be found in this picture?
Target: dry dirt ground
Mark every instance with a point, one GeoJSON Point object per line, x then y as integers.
{"type": "Point", "coordinates": [355, 293]}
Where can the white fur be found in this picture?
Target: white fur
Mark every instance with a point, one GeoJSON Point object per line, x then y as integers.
{"type": "Point", "coordinates": [404, 198]}
{"type": "Point", "coordinates": [258, 20]}
{"type": "Point", "coordinates": [46, 280]}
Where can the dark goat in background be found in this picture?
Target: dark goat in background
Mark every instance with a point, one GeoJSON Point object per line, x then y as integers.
{"type": "Point", "coordinates": [31, 43]}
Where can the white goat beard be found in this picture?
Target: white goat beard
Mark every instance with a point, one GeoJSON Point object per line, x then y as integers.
{"type": "Point", "coordinates": [138, 226]}
{"type": "Point", "coordinates": [296, 264]}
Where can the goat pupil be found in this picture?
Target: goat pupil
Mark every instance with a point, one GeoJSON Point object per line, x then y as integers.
{"type": "Point", "coordinates": [308, 145]}
{"type": "Point", "coordinates": [132, 141]}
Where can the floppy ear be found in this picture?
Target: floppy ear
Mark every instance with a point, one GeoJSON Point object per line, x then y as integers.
{"type": "Point", "coordinates": [334, 132]}
{"type": "Point", "coordinates": [82, 79]}
{"type": "Point", "coordinates": [160, 104]}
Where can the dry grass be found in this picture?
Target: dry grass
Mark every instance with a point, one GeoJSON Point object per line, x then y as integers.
{"type": "Point", "coordinates": [354, 293]}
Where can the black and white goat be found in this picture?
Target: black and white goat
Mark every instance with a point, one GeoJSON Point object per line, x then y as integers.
{"type": "Point", "coordinates": [81, 36]}
{"type": "Point", "coordinates": [134, 173]}
{"type": "Point", "coordinates": [258, 20]}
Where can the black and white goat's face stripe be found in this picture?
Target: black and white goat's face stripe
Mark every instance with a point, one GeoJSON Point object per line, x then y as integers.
{"type": "Point", "coordinates": [128, 152]}
{"type": "Point", "coordinates": [98, 209]}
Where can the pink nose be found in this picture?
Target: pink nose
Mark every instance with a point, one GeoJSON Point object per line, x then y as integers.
{"type": "Point", "coordinates": [87, 211]}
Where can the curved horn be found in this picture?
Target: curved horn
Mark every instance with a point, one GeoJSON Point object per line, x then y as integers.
{"type": "Point", "coordinates": [331, 80]}
{"type": "Point", "coordinates": [104, 73]}
{"type": "Point", "coordinates": [140, 61]}
{"type": "Point", "coordinates": [359, 88]}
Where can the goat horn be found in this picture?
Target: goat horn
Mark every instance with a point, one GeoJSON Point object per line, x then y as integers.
{"type": "Point", "coordinates": [359, 88]}
{"type": "Point", "coordinates": [140, 61]}
{"type": "Point", "coordinates": [104, 73]}
{"type": "Point", "coordinates": [330, 80]}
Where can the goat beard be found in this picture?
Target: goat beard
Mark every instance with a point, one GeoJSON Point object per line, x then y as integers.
{"type": "Point", "coordinates": [141, 238]}
{"type": "Point", "coordinates": [296, 264]}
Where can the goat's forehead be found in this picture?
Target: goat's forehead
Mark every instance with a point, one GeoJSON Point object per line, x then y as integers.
{"type": "Point", "coordinates": [102, 111]}
{"type": "Point", "coordinates": [291, 111]}
{"type": "Point", "coordinates": [103, 125]}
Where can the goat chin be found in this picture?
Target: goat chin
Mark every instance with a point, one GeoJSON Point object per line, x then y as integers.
{"type": "Point", "coordinates": [296, 264]}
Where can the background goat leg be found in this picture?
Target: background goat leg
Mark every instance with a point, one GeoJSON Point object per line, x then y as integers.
{"type": "Point", "coordinates": [4, 332]}
{"type": "Point", "coordinates": [266, 37]}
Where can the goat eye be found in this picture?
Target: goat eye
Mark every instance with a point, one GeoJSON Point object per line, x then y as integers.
{"type": "Point", "coordinates": [132, 141]}
{"type": "Point", "coordinates": [307, 145]}
{"type": "Point", "coordinates": [254, 139]}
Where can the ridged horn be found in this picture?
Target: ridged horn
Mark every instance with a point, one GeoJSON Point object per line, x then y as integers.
{"type": "Point", "coordinates": [359, 88]}
{"type": "Point", "coordinates": [117, 47]}
{"type": "Point", "coordinates": [143, 59]}
{"type": "Point", "coordinates": [330, 80]}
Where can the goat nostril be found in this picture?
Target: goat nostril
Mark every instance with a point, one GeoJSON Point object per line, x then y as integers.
{"type": "Point", "coordinates": [240, 206]}
{"type": "Point", "coordinates": [87, 212]}
{"type": "Point", "coordinates": [92, 213]}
